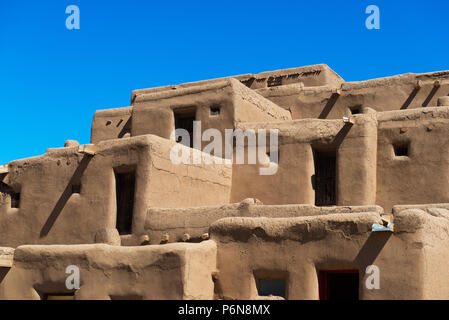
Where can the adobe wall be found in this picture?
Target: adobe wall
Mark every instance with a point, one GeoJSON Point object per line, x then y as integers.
{"type": "Point", "coordinates": [297, 248]}
{"type": "Point", "coordinates": [186, 185]}
{"type": "Point", "coordinates": [411, 260]}
{"type": "Point", "coordinates": [196, 221]}
{"type": "Point", "coordinates": [423, 176]}
{"type": "Point", "coordinates": [111, 124]}
{"type": "Point", "coordinates": [313, 75]}
{"type": "Point", "coordinates": [360, 171]}
{"type": "Point", "coordinates": [173, 271]}
{"type": "Point", "coordinates": [318, 92]}
{"type": "Point", "coordinates": [287, 236]}
{"type": "Point", "coordinates": [153, 113]}
{"type": "Point", "coordinates": [431, 222]}
{"type": "Point", "coordinates": [368, 172]}
{"type": "Point", "coordinates": [50, 213]}
{"type": "Point", "coordinates": [355, 146]}
{"type": "Point", "coordinates": [365, 160]}
{"type": "Point", "coordinates": [429, 208]}
{"type": "Point", "coordinates": [384, 94]}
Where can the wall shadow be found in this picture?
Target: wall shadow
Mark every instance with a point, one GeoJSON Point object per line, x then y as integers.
{"type": "Point", "coordinates": [341, 135]}
{"type": "Point", "coordinates": [410, 99]}
{"type": "Point", "coordinates": [65, 196]}
{"type": "Point", "coordinates": [372, 247]}
{"type": "Point", "coordinates": [3, 272]}
{"type": "Point", "coordinates": [329, 105]}
{"type": "Point", "coordinates": [126, 128]}
{"type": "Point", "coordinates": [430, 96]}
{"type": "Point", "coordinates": [4, 188]}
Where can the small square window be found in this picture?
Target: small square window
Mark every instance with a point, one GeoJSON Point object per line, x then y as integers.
{"type": "Point", "coordinates": [401, 149]}
{"type": "Point", "coordinates": [76, 188]}
{"type": "Point", "coordinates": [214, 111]}
{"type": "Point", "coordinates": [356, 109]}
{"type": "Point", "coordinates": [15, 200]}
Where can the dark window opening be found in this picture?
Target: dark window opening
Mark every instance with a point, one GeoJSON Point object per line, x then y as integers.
{"type": "Point", "coordinates": [273, 287]}
{"type": "Point", "coordinates": [214, 111]}
{"type": "Point", "coordinates": [325, 177]}
{"type": "Point", "coordinates": [271, 282]}
{"type": "Point", "coordinates": [15, 200]}
{"type": "Point", "coordinates": [339, 285]}
{"type": "Point", "coordinates": [400, 149]}
{"type": "Point", "coordinates": [125, 185]}
{"type": "Point", "coordinates": [184, 120]}
{"type": "Point", "coordinates": [76, 188]}
{"type": "Point", "coordinates": [356, 109]}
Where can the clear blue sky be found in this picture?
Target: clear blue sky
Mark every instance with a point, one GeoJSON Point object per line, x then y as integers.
{"type": "Point", "coordinates": [52, 79]}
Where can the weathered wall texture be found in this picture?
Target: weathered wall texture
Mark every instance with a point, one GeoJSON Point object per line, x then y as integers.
{"type": "Point", "coordinates": [387, 162]}
{"type": "Point", "coordinates": [334, 101]}
{"type": "Point", "coordinates": [422, 176]}
{"type": "Point", "coordinates": [297, 248]}
{"type": "Point", "coordinates": [355, 146]}
{"type": "Point", "coordinates": [315, 75]}
{"type": "Point", "coordinates": [50, 213]}
{"type": "Point", "coordinates": [430, 224]}
{"type": "Point", "coordinates": [173, 271]}
{"type": "Point", "coordinates": [196, 221]}
{"type": "Point", "coordinates": [153, 113]}
{"type": "Point", "coordinates": [111, 124]}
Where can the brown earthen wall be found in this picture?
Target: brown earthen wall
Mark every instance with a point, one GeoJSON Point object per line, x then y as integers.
{"type": "Point", "coordinates": [50, 213]}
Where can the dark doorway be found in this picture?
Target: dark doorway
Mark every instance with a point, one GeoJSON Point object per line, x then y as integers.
{"type": "Point", "coordinates": [325, 177]}
{"type": "Point", "coordinates": [339, 285]}
{"type": "Point", "coordinates": [15, 200]}
{"type": "Point", "coordinates": [184, 120]}
{"type": "Point", "coordinates": [125, 185]}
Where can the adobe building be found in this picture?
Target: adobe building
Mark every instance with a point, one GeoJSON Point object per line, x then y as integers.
{"type": "Point", "coordinates": [361, 184]}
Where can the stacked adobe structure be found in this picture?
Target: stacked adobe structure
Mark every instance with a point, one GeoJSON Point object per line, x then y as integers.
{"type": "Point", "coordinates": [139, 226]}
